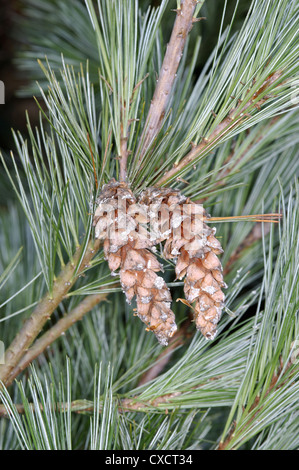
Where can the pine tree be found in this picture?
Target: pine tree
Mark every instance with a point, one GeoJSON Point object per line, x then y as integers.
{"type": "Point", "coordinates": [131, 105]}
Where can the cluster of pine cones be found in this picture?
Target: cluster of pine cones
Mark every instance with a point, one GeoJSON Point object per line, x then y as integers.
{"type": "Point", "coordinates": [129, 246]}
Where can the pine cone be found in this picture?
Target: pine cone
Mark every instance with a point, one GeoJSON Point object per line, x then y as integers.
{"type": "Point", "coordinates": [192, 243]}
{"type": "Point", "coordinates": [127, 247]}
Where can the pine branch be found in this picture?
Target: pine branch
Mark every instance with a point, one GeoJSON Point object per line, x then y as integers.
{"type": "Point", "coordinates": [162, 94]}
{"type": "Point", "coordinates": [55, 332]}
{"type": "Point", "coordinates": [241, 371]}
{"type": "Point", "coordinates": [269, 385]}
{"type": "Point", "coordinates": [85, 406]}
{"type": "Point", "coordinates": [45, 308]}
{"type": "Point", "coordinates": [234, 118]}
{"type": "Point", "coordinates": [257, 406]}
{"type": "Point", "coordinates": [232, 164]}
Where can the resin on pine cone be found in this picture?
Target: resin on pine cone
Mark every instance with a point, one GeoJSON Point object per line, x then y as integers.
{"type": "Point", "coordinates": [118, 220]}
{"type": "Point", "coordinates": [194, 247]}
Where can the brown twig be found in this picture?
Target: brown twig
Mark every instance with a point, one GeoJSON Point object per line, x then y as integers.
{"type": "Point", "coordinates": [206, 144]}
{"type": "Point", "coordinates": [55, 332]}
{"type": "Point", "coordinates": [124, 404]}
{"type": "Point", "coordinates": [45, 308]}
{"type": "Point", "coordinates": [229, 168]}
{"type": "Point", "coordinates": [256, 407]}
{"type": "Point", "coordinates": [223, 444]}
{"type": "Point", "coordinates": [85, 406]}
{"type": "Point", "coordinates": [182, 27]}
{"type": "Point", "coordinates": [234, 118]}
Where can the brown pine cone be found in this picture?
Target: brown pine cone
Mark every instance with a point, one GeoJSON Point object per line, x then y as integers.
{"type": "Point", "coordinates": [192, 243]}
{"type": "Point", "coordinates": [127, 247]}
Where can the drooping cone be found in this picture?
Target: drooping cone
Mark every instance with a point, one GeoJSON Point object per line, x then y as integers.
{"type": "Point", "coordinates": [192, 244]}
{"type": "Point", "coordinates": [118, 220]}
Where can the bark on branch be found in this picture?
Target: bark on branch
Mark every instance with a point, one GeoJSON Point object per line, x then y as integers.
{"type": "Point", "coordinates": [85, 406]}
{"type": "Point", "coordinates": [55, 332]}
{"type": "Point", "coordinates": [162, 94]}
{"type": "Point", "coordinates": [44, 310]}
